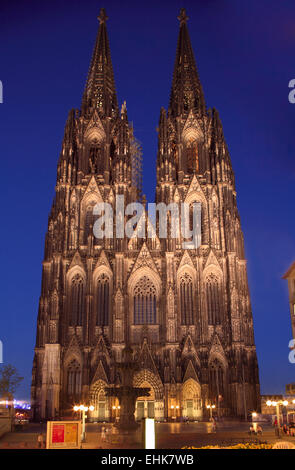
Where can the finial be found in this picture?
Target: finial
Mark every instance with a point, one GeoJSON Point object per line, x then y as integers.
{"type": "Point", "coordinates": [182, 16]}
{"type": "Point", "coordinates": [123, 108]}
{"type": "Point", "coordinates": [102, 18]}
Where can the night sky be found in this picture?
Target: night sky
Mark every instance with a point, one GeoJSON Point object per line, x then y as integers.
{"type": "Point", "coordinates": [245, 56]}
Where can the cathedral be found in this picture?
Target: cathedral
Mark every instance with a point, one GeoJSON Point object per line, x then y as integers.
{"type": "Point", "coordinates": [185, 313]}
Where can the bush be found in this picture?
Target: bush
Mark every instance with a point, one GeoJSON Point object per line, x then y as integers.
{"type": "Point", "coordinates": [247, 445]}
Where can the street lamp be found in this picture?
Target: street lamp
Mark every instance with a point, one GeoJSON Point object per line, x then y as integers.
{"type": "Point", "coordinates": [277, 405]}
{"type": "Point", "coordinates": [83, 409]}
{"type": "Point", "coordinates": [172, 412]}
{"type": "Point", "coordinates": [254, 415]}
{"type": "Point", "coordinates": [177, 408]}
{"type": "Point", "coordinates": [115, 408]}
{"type": "Point", "coordinates": [291, 412]}
{"type": "Point", "coordinates": [210, 407]}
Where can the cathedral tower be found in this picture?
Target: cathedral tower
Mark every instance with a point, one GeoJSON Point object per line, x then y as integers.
{"type": "Point", "coordinates": [186, 313]}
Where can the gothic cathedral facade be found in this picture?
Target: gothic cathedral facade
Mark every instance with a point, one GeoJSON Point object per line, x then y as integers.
{"type": "Point", "coordinates": [186, 313]}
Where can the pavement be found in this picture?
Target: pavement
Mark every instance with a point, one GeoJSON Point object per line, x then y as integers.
{"type": "Point", "coordinates": [168, 436]}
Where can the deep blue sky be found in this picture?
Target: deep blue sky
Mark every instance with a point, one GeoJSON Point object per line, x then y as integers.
{"type": "Point", "coordinates": [245, 55]}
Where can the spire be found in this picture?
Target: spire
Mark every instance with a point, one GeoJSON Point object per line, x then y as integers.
{"type": "Point", "coordinates": [186, 91]}
{"type": "Point", "coordinates": [100, 92]}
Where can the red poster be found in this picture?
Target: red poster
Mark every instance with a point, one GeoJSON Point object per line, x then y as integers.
{"type": "Point", "coordinates": [58, 433]}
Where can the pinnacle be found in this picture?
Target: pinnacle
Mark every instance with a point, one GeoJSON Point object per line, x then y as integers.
{"type": "Point", "coordinates": [182, 17]}
{"type": "Point", "coordinates": [186, 92]}
{"type": "Point", "coordinates": [102, 17]}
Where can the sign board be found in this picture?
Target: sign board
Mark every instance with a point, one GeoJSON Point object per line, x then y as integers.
{"type": "Point", "coordinates": [283, 445]}
{"type": "Point", "coordinates": [63, 435]}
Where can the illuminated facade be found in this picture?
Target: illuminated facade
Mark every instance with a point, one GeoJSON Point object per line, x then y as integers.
{"type": "Point", "coordinates": [185, 313]}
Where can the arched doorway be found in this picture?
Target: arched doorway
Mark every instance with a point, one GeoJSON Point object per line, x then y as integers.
{"type": "Point", "coordinates": [145, 406]}
{"type": "Point", "coordinates": [152, 406]}
{"type": "Point", "coordinates": [191, 400]}
{"type": "Point", "coordinates": [99, 401]}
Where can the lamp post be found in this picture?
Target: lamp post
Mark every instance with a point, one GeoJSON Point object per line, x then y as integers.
{"type": "Point", "coordinates": [290, 412]}
{"type": "Point", "coordinates": [115, 408]}
{"type": "Point", "coordinates": [172, 412]}
{"type": "Point", "coordinates": [83, 409]}
{"type": "Point", "coordinates": [210, 407]}
{"type": "Point", "coordinates": [277, 405]}
{"type": "Point", "coordinates": [177, 408]}
{"type": "Point", "coordinates": [254, 415]}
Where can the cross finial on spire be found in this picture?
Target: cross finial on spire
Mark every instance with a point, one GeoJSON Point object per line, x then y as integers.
{"type": "Point", "coordinates": [102, 18]}
{"type": "Point", "coordinates": [186, 92]}
{"type": "Point", "coordinates": [100, 91]}
{"type": "Point", "coordinates": [182, 16]}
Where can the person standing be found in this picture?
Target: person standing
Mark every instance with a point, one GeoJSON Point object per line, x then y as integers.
{"type": "Point", "coordinates": [40, 440]}
{"type": "Point", "coordinates": [103, 434]}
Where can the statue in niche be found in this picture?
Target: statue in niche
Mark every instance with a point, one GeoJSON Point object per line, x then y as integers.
{"type": "Point", "coordinates": [93, 157]}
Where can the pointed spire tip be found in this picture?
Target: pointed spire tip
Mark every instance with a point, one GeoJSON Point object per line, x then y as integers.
{"type": "Point", "coordinates": [182, 17]}
{"type": "Point", "coordinates": [102, 17]}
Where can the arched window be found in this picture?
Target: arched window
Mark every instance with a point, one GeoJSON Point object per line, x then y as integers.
{"type": "Point", "coordinates": [77, 300]}
{"type": "Point", "coordinates": [192, 156]}
{"type": "Point", "coordinates": [145, 302]}
{"type": "Point", "coordinates": [216, 380]}
{"type": "Point", "coordinates": [186, 299]}
{"type": "Point", "coordinates": [103, 300]}
{"type": "Point", "coordinates": [214, 300]}
{"type": "Point", "coordinates": [74, 381]}
{"type": "Point", "coordinates": [96, 157]}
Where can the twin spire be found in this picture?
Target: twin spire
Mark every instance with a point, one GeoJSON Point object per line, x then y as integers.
{"type": "Point", "coordinates": [100, 91]}
{"type": "Point", "coordinates": [186, 90]}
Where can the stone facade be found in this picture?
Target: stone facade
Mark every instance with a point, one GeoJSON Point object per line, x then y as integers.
{"type": "Point", "coordinates": [185, 313]}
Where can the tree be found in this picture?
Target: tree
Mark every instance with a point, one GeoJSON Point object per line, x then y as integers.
{"type": "Point", "coordinates": [9, 381]}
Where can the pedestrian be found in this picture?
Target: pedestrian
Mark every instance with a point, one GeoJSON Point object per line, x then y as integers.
{"type": "Point", "coordinates": [40, 440]}
{"type": "Point", "coordinates": [107, 434]}
{"type": "Point", "coordinates": [259, 429]}
{"type": "Point", "coordinates": [213, 425]}
{"type": "Point", "coordinates": [103, 434]}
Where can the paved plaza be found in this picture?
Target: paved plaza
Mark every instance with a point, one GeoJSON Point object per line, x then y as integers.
{"type": "Point", "coordinates": [168, 436]}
